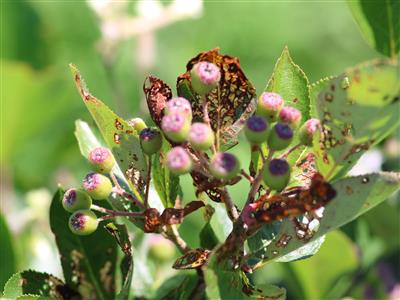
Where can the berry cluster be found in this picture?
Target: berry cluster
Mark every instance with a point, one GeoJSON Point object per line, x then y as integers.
{"type": "Point", "coordinates": [95, 186]}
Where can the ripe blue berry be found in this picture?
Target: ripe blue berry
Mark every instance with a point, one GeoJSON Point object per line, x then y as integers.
{"type": "Point", "coordinates": [76, 199]}
{"type": "Point", "coordinates": [201, 136]}
{"type": "Point", "coordinates": [150, 140]}
{"type": "Point", "coordinates": [178, 161]}
{"type": "Point", "coordinates": [179, 105]}
{"type": "Point", "coordinates": [101, 159]}
{"type": "Point", "coordinates": [280, 137]}
{"type": "Point", "coordinates": [224, 165]}
{"type": "Point", "coordinates": [256, 130]}
{"type": "Point", "coordinates": [308, 131]}
{"type": "Point", "coordinates": [204, 77]}
{"type": "Point", "coordinates": [277, 174]}
{"type": "Point", "coordinates": [98, 186]}
{"type": "Point", "coordinates": [290, 116]}
{"type": "Point", "coordinates": [269, 106]}
{"type": "Point", "coordinates": [83, 222]}
{"type": "Point", "coordinates": [176, 127]}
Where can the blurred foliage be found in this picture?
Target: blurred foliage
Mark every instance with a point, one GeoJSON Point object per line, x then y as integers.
{"type": "Point", "coordinates": [39, 106]}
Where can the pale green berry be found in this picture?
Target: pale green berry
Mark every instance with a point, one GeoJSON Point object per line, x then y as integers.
{"type": "Point", "coordinates": [256, 130]}
{"type": "Point", "coordinates": [308, 131]}
{"type": "Point", "coordinates": [150, 140]}
{"type": "Point", "coordinates": [83, 222]}
{"type": "Point", "coordinates": [277, 174]}
{"type": "Point", "coordinates": [280, 137]}
{"type": "Point", "coordinates": [224, 166]}
{"type": "Point", "coordinates": [205, 77]}
{"type": "Point", "coordinates": [161, 249]}
{"type": "Point", "coordinates": [201, 136]}
{"type": "Point", "coordinates": [137, 123]}
{"type": "Point", "coordinates": [76, 199]}
{"type": "Point", "coordinates": [101, 160]}
{"type": "Point", "coordinates": [98, 186]}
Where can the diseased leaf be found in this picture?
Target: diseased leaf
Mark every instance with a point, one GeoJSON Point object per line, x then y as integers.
{"type": "Point", "coordinates": [39, 285]}
{"type": "Point", "coordinates": [379, 23]}
{"type": "Point", "coordinates": [120, 234]}
{"type": "Point", "coordinates": [227, 104]}
{"type": "Point", "coordinates": [122, 139]}
{"type": "Point", "coordinates": [166, 183]}
{"type": "Point", "coordinates": [88, 262]}
{"type": "Point", "coordinates": [8, 261]}
{"type": "Point", "coordinates": [355, 196]}
{"type": "Point", "coordinates": [357, 110]}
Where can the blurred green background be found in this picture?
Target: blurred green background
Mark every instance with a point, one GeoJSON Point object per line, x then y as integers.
{"type": "Point", "coordinates": [40, 104]}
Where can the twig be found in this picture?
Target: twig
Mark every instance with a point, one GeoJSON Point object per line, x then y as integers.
{"type": "Point", "coordinates": [206, 119]}
{"type": "Point", "coordinates": [115, 213]}
{"type": "Point", "coordinates": [230, 207]}
{"type": "Point", "coordinates": [285, 155]}
{"type": "Point", "coordinates": [146, 197]}
{"type": "Point", "coordinates": [218, 119]}
{"type": "Point", "coordinates": [126, 195]}
{"type": "Point", "coordinates": [247, 176]}
{"type": "Point", "coordinates": [172, 233]}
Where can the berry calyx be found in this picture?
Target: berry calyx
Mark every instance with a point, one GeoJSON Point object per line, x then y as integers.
{"type": "Point", "coordinates": [308, 131]}
{"type": "Point", "coordinates": [98, 186]}
{"type": "Point", "coordinates": [256, 130]}
{"type": "Point", "coordinates": [290, 116]}
{"type": "Point", "coordinates": [280, 137]}
{"type": "Point", "coordinates": [277, 174]}
{"type": "Point", "coordinates": [150, 140]}
{"type": "Point", "coordinates": [224, 166]}
{"type": "Point", "coordinates": [179, 105]}
{"type": "Point", "coordinates": [101, 160]}
{"type": "Point", "coordinates": [178, 161]}
{"type": "Point", "coordinates": [201, 136]}
{"type": "Point", "coordinates": [205, 77]}
{"type": "Point", "coordinates": [137, 123]}
{"type": "Point", "coordinates": [176, 127]}
{"type": "Point", "coordinates": [269, 105]}
{"type": "Point", "coordinates": [83, 222]}
{"type": "Point", "coordinates": [76, 199]}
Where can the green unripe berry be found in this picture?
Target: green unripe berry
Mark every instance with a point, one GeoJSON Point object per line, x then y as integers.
{"type": "Point", "coordinates": [204, 77]}
{"type": "Point", "coordinates": [161, 249]}
{"type": "Point", "coordinates": [277, 174]}
{"type": "Point", "coordinates": [83, 222]}
{"type": "Point", "coordinates": [150, 140]}
{"type": "Point", "coordinates": [256, 130]}
{"type": "Point", "coordinates": [280, 137]}
{"type": "Point", "coordinates": [201, 136]}
{"type": "Point", "coordinates": [101, 160]}
{"type": "Point", "coordinates": [308, 131]}
{"type": "Point", "coordinates": [98, 186]}
{"type": "Point", "coordinates": [176, 126]}
{"type": "Point", "coordinates": [138, 124]}
{"type": "Point", "coordinates": [224, 166]}
{"type": "Point", "coordinates": [76, 199]}
{"type": "Point", "coordinates": [178, 161]}
{"type": "Point", "coordinates": [269, 105]}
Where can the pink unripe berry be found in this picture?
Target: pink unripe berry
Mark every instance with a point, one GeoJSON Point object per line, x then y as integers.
{"type": "Point", "coordinates": [308, 131]}
{"type": "Point", "coordinates": [76, 199]}
{"type": "Point", "coordinates": [201, 136]}
{"type": "Point", "coordinates": [83, 222]}
{"type": "Point", "coordinates": [101, 159]}
{"type": "Point", "coordinates": [269, 105]}
{"type": "Point", "coordinates": [224, 165]}
{"type": "Point", "coordinates": [277, 174]}
{"type": "Point", "coordinates": [179, 105]}
{"type": "Point", "coordinates": [176, 126]}
{"type": "Point", "coordinates": [98, 186]}
{"type": "Point", "coordinates": [256, 130]}
{"type": "Point", "coordinates": [179, 161]}
{"type": "Point", "coordinates": [290, 116]}
{"type": "Point", "coordinates": [205, 77]}
{"type": "Point", "coordinates": [150, 140]}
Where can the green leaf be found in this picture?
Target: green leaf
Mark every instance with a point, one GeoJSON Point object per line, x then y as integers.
{"type": "Point", "coordinates": [357, 110]}
{"type": "Point", "coordinates": [355, 196]}
{"type": "Point", "coordinates": [41, 285]}
{"type": "Point", "coordinates": [178, 287]}
{"type": "Point", "coordinates": [379, 23]}
{"type": "Point", "coordinates": [120, 137]}
{"type": "Point", "coordinates": [166, 183]}
{"type": "Point", "coordinates": [120, 234]}
{"type": "Point", "coordinates": [8, 262]}
{"type": "Point", "coordinates": [208, 238]}
{"type": "Point", "coordinates": [289, 81]}
{"type": "Point", "coordinates": [88, 262]}
{"type": "Point", "coordinates": [324, 267]}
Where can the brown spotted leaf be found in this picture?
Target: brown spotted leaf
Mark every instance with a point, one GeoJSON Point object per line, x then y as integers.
{"type": "Point", "coordinates": [121, 138]}
{"type": "Point", "coordinates": [157, 94]}
{"type": "Point", "coordinates": [172, 216]}
{"type": "Point", "coordinates": [226, 107]}
{"type": "Point", "coordinates": [88, 262]}
{"type": "Point", "coordinates": [357, 110]}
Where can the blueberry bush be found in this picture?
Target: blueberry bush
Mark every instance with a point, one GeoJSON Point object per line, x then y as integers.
{"type": "Point", "coordinates": [302, 141]}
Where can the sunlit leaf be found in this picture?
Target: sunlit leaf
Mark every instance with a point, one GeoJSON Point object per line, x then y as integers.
{"type": "Point", "coordinates": [8, 261]}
